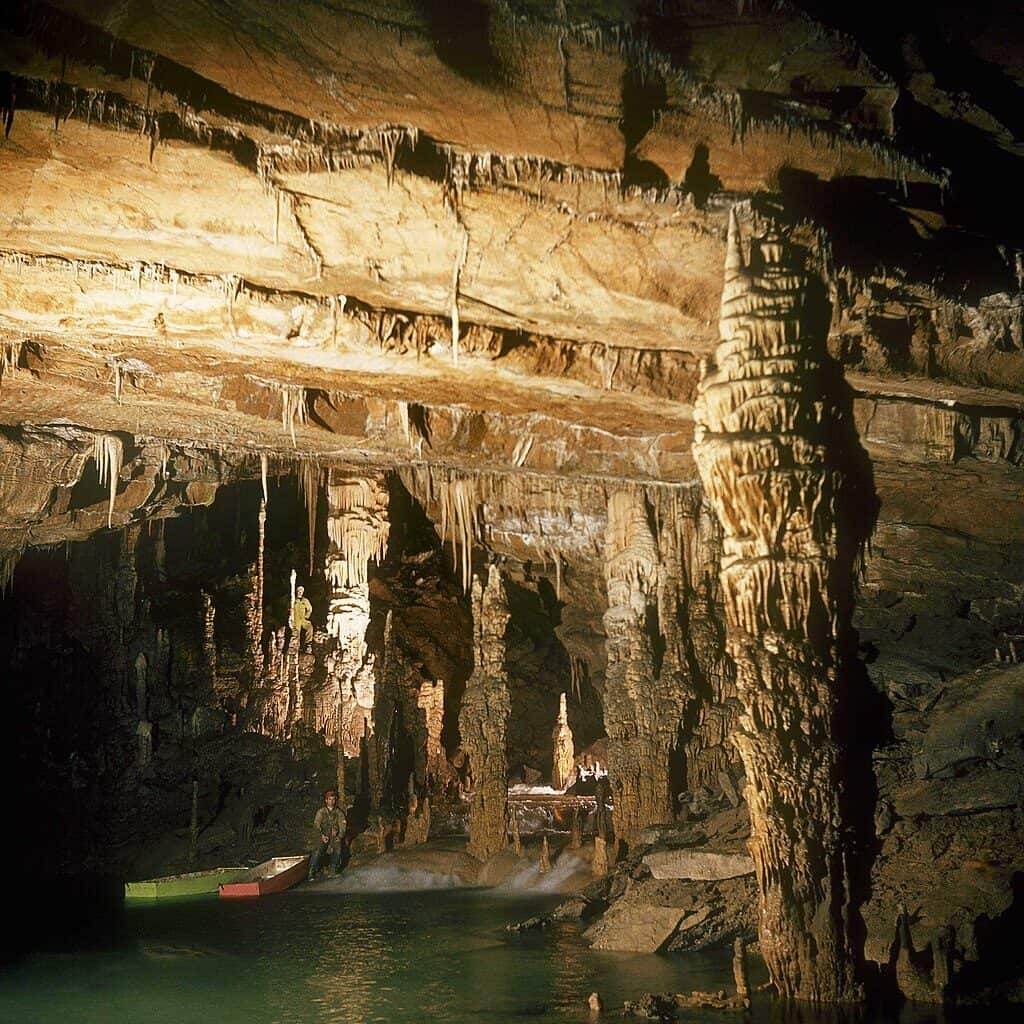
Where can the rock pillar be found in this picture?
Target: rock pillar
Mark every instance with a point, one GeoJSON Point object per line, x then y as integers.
{"type": "Point", "coordinates": [768, 427]}
{"type": "Point", "coordinates": [563, 750]}
{"type": "Point", "coordinates": [641, 707]}
{"type": "Point", "coordinates": [430, 700]}
{"type": "Point", "coordinates": [484, 716]}
{"type": "Point", "coordinates": [254, 603]}
{"type": "Point", "coordinates": [357, 530]}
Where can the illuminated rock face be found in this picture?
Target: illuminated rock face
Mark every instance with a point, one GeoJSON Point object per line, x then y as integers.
{"type": "Point", "coordinates": [357, 529]}
{"type": "Point", "coordinates": [430, 700]}
{"type": "Point", "coordinates": [649, 676]}
{"type": "Point", "coordinates": [563, 750]}
{"type": "Point", "coordinates": [483, 718]}
{"type": "Point", "coordinates": [767, 448]}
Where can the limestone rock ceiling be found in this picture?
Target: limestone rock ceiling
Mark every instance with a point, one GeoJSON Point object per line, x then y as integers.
{"type": "Point", "coordinates": [491, 238]}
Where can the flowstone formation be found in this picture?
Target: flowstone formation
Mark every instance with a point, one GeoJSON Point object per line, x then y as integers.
{"type": "Point", "coordinates": [357, 530]}
{"type": "Point", "coordinates": [484, 716]}
{"type": "Point", "coordinates": [769, 450]}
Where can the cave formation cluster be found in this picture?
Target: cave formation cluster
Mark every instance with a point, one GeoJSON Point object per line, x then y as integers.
{"type": "Point", "coordinates": [634, 389]}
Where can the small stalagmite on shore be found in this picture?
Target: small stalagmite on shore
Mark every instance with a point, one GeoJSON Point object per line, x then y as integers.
{"type": "Point", "coordinates": [563, 749]}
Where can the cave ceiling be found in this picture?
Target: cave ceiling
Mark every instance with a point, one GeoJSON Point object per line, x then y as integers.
{"type": "Point", "coordinates": [489, 238]}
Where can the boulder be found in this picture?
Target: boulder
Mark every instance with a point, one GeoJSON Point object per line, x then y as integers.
{"type": "Point", "coordinates": [701, 865]}
{"type": "Point", "coordinates": [986, 790]}
{"type": "Point", "coordinates": [639, 928]}
{"type": "Point", "coordinates": [671, 835]}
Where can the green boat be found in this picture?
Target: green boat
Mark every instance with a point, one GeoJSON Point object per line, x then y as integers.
{"type": "Point", "coordinates": [195, 883]}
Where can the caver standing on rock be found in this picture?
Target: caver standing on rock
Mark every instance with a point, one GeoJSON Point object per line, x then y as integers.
{"type": "Point", "coordinates": [301, 611]}
{"type": "Point", "coordinates": [330, 827]}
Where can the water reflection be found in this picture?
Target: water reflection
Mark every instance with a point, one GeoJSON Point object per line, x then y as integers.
{"type": "Point", "coordinates": [333, 958]}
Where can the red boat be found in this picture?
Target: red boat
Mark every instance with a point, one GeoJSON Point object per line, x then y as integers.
{"type": "Point", "coordinates": [273, 875]}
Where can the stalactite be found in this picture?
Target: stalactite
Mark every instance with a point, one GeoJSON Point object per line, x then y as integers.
{"type": "Point", "coordinates": [460, 262]}
{"type": "Point", "coordinates": [767, 448]}
{"type": "Point", "coordinates": [484, 717]}
{"type": "Point", "coordinates": [293, 406]}
{"type": "Point", "coordinates": [108, 452]}
{"type": "Point", "coordinates": [10, 356]}
{"type": "Point", "coordinates": [309, 477]}
{"type": "Point", "coordinates": [9, 560]}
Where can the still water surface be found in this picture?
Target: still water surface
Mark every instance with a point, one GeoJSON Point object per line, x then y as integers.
{"type": "Point", "coordinates": [317, 956]}
{"type": "Point", "coordinates": [337, 958]}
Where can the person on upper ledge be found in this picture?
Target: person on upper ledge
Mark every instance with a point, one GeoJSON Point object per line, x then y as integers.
{"type": "Point", "coordinates": [301, 612]}
{"type": "Point", "coordinates": [330, 826]}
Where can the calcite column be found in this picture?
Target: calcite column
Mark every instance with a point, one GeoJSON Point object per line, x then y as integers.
{"type": "Point", "coordinates": [642, 698]}
{"type": "Point", "coordinates": [430, 700]}
{"type": "Point", "coordinates": [357, 530]}
{"type": "Point", "coordinates": [209, 642]}
{"type": "Point", "coordinates": [254, 603]}
{"type": "Point", "coordinates": [767, 440]}
{"type": "Point", "coordinates": [563, 750]}
{"type": "Point", "coordinates": [484, 716]}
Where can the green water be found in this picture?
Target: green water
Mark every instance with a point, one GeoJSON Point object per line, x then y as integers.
{"type": "Point", "coordinates": [316, 956]}
{"type": "Point", "coordinates": [309, 956]}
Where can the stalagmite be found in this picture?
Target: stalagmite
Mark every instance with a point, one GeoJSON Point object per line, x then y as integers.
{"type": "Point", "coordinates": [767, 448]}
{"type": "Point", "coordinates": [144, 735]}
{"type": "Point", "coordinates": [739, 970]}
{"type": "Point", "coordinates": [599, 862]}
{"type": "Point", "coordinates": [484, 716]}
{"type": "Point", "coordinates": [254, 601]}
{"type": "Point", "coordinates": [513, 829]}
{"type": "Point", "coordinates": [563, 751]}
{"type": "Point", "coordinates": [544, 865]}
{"type": "Point", "coordinates": [431, 701]}
{"type": "Point", "coordinates": [357, 532]}
{"type": "Point", "coordinates": [644, 700]}
{"type": "Point", "coordinates": [209, 641]}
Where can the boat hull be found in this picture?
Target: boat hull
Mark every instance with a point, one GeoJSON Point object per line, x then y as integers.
{"type": "Point", "coordinates": [269, 883]}
{"type": "Point", "coordinates": [195, 883]}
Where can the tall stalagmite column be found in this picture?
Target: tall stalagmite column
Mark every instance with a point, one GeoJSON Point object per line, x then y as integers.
{"type": "Point", "coordinates": [431, 701]}
{"type": "Point", "coordinates": [643, 699]}
{"type": "Point", "coordinates": [254, 603]}
{"type": "Point", "coordinates": [483, 719]}
{"type": "Point", "coordinates": [563, 749]}
{"type": "Point", "coordinates": [357, 530]}
{"type": "Point", "coordinates": [767, 450]}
